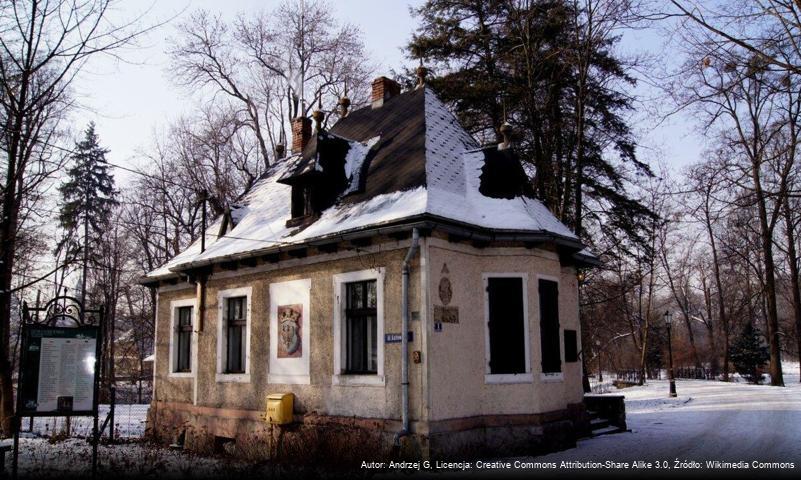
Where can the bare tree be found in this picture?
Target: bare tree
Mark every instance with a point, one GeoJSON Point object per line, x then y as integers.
{"type": "Point", "coordinates": [706, 184]}
{"type": "Point", "coordinates": [740, 97]}
{"type": "Point", "coordinates": [757, 27]}
{"type": "Point", "coordinates": [43, 46]}
{"type": "Point", "coordinates": [213, 155]}
{"type": "Point", "coordinates": [676, 256]}
{"type": "Point", "coordinates": [272, 67]}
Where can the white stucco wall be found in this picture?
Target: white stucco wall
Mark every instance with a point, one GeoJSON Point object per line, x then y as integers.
{"type": "Point", "coordinates": [457, 354]}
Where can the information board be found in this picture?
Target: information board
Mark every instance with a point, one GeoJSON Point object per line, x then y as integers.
{"type": "Point", "coordinates": [58, 370]}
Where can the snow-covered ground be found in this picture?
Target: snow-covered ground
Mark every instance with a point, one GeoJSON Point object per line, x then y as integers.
{"type": "Point", "coordinates": [73, 458]}
{"type": "Point", "coordinates": [708, 421]}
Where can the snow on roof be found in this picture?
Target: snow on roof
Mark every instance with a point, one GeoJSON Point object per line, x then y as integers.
{"type": "Point", "coordinates": [354, 162]}
{"type": "Point", "coordinates": [452, 168]}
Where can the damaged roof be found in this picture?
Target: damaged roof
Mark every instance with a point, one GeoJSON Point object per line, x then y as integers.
{"type": "Point", "coordinates": [407, 160]}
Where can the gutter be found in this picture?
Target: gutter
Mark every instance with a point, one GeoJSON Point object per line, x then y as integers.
{"type": "Point", "coordinates": [405, 338]}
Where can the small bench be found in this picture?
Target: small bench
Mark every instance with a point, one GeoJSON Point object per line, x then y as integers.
{"type": "Point", "coordinates": [6, 445]}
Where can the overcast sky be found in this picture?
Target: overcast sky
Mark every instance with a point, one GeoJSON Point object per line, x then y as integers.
{"type": "Point", "coordinates": [129, 101]}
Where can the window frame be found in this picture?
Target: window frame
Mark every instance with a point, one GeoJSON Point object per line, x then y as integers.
{"type": "Point", "coordinates": [222, 335]}
{"type": "Point", "coordinates": [496, 378]}
{"type": "Point", "coordinates": [239, 323]}
{"type": "Point", "coordinates": [184, 340]}
{"type": "Point", "coordinates": [552, 376]}
{"type": "Point", "coordinates": [341, 376]}
{"type": "Point", "coordinates": [173, 353]}
{"type": "Point", "coordinates": [363, 314]}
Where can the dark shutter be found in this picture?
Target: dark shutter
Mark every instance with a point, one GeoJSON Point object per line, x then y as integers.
{"type": "Point", "coordinates": [571, 346]}
{"type": "Point", "coordinates": [549, 326]}
{"type": "Point", "coordinates": [506, 329]}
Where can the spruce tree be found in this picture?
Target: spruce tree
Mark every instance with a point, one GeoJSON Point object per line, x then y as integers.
{"type": "Point", "coordinates": [535, 66]}
{"type": "Point", "coordinates": [87, 202]}
{"type": "Point", "coordinates": [749, 354]}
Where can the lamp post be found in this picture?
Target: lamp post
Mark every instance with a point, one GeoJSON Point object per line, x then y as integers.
{"type": "Point", "coordinates": [668, 321]}
{"type": "Point", "coordinates": [600, 366]}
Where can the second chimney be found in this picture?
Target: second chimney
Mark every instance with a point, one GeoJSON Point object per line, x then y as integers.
{"type": "Point", "coordinates": [384, 89]}
{"type": "Point", "coordinates": [301, 133]}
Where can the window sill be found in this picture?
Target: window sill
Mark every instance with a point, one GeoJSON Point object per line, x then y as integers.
{"type": "Point", "coordinates": [181, 375]}
{"type": "Point", "coordinates": [358, 380]}
{"type": "Point", "coordinates": [552, 377]}
{"type": "Point", "coordinates": [289, 379]}
{"type": "Point", "coordinates": [232, 378]}
{"type": "Point", "coordinates": [508, 378]}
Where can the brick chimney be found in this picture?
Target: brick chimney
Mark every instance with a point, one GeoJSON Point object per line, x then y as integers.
{"type": "Point", "coordinates": [301, 133]}
{"type": "Point", "coordinates": [383, 89]}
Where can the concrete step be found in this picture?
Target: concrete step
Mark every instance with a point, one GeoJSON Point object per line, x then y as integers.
{"type": "Point", "coordinates": [607, 431]}
{"type": "Point", "coordinates": [598, 423]}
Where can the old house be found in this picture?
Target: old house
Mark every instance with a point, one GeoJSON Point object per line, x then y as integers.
{"type": "Point", "coordinates": [393, 276]}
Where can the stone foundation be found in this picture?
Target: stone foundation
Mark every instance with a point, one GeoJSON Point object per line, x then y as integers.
{"type": "Point", "coordinates": [507, 435]}
{"type": "Point", "coordinates": [323, 439]}
{"type": "Point", "coordinates": [312, 438]}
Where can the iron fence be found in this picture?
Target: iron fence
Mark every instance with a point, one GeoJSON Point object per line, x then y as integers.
{"type": "Point", "coordinates": [634, 376]}
{"type": "Point", "coordinates": [694, 373]}
{"type": "Point", "coordinates": [130, 405]}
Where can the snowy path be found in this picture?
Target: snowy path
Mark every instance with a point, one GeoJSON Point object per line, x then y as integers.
{"type": "Point", "coordinates": [746, 425]}
{"type": "Point", "coordinates": [708, 421]}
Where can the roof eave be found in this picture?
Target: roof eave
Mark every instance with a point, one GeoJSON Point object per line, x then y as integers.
{"type": "Point", "coordinates": [587, 261]}
{"type": "Point", "coordinates": [428, 221]}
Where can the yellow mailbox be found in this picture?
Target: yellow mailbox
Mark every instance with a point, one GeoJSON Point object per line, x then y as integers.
{"type": "Point", "coordinates": [279, 408]}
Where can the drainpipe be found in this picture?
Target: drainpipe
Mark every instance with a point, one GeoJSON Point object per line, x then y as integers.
{"type": "Point", "coordinates": [200, 299]}
{"type": "Point", "coordinates": [200, 293]}
{"type": "Point", "coordinates": [405, 338]}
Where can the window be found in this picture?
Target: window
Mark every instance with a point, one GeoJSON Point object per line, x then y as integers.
{"type": "Point", "coordinates": [235, 323]}
{"type": "Point", "coordinates": [571, 346]}
{"type": "Point", "coordinates": [361, 327]}
{"type": "Point", "coordinates": [181, 361]}
{"type": "Point", "coordinates": [506, 326]}
{"type": "Point", "coordinates": [301, 200]}
{"type": "Point", "coordinates": [549, 326]}
{"type": "Point", "coordinates": [183, 333]}
{"type": "Point", "coordinates": [233, 334]}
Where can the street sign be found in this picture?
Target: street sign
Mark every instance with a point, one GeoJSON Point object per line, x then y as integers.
{"type": "Point", "coordinates": [397, 337]}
